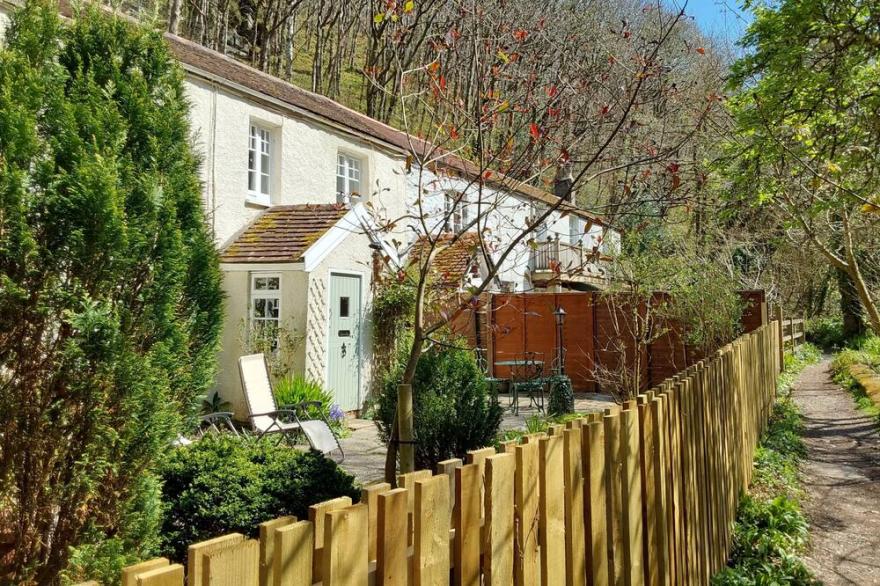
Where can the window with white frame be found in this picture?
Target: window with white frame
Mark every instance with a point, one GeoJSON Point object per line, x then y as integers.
{"type": "Point", "coordinates": [348, 175]}
{"type": "Point", "coordinates": [260, 164]}
{"type": "Point", "coordinates": [265, 310]}
{"type": "Point", "coordinates": [456, 212]}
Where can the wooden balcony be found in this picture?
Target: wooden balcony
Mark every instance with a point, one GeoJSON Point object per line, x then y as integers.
{"type": "Point", "coordinates": [553, 262]}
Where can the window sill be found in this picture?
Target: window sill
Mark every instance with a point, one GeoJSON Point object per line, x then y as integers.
{"type": "Point", "coordinates": [256, 201]}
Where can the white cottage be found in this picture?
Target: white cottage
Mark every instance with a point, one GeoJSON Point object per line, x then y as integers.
{"type": "Point", "coordinates": [288, 176]}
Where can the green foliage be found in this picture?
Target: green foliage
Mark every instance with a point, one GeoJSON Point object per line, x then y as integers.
{"type": "Point", "coordinates": [535, 424]}
{"type": "Point", "coordinates": [279, 343]}
{"type": "Point", "coordinates": [297, 388]}
{"type": "Point", "coordinates": [806, 93]}
{"type": "Point", "coordinates": [661, 285]}
{"type": "Point", "coordinates": [771, 531]}
{"type": "Point", "coordinates": [393, 309]}
{"type": "Point", "coordinates": [866, 351]}
{"type": "Point", "coordinates": [765, 537]}
{"type": "Point", "coordinates": [101, 557]}
{"type": "Point", "coordinates": [293, 389]}
{"type": "Point", "coordinates": [561, 395]}
{"type": "Point", "coordinates": [212, 402]}
{"type": "Point", "coordinates": [454, 408]}
{"type": "Point", "coordinates": [826, 332]}
{"type": "Point", "coordinates": [225, 483]}
{"type": "Point", "coordinates": [110, 298]}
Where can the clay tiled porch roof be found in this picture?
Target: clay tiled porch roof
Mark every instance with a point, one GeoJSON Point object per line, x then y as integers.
{"type": "Point", "coordinates": [453, 261]}
{"type": "Point", "coordinates": [282, 233]}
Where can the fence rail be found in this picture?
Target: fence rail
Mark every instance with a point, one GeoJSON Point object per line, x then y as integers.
{"type": "Point", "coordinates": [642, 494]}
{"type": "Point", "coordinates": [794, 332]}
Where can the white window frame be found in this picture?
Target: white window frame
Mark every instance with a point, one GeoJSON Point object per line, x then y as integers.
{"type": "Point", "coordinates": [260, 142]}
{"type": "Point", "coordinates": [456, 211]}
{"type": "Point", "coordinates": [273, 294]}
{"type": "Point", "coordinates": [348, 164]}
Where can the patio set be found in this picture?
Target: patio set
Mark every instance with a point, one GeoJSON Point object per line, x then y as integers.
{"type": "Point", "coordinates": [529, 376]}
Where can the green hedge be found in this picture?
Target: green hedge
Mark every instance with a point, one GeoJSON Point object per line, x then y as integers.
{"type": "Point", "coordinates": [224, 484]}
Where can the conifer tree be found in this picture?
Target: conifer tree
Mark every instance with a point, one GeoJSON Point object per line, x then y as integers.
{"type": "Point", "coordinates": [110, 300]}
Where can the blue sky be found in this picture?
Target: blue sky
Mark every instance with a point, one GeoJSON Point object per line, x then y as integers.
{"type": "Point", "coordinates": [723, 19]}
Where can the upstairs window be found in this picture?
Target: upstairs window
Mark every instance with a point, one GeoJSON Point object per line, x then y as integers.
{"type": "Point", "coordinates": [265, 310]}
{"type": "Point", "coordinates": [348, 176]}
{"type": "Point", "coordinates": [456, 211]}
{"type": "Point", "coordinates": [259, 164]}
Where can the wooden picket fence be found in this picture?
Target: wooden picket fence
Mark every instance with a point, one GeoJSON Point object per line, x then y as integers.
{"type": "Point", "coordinates": [643, 494]}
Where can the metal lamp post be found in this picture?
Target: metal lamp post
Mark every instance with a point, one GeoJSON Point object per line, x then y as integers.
{"type": "Point", "coordinates": [559, 314]}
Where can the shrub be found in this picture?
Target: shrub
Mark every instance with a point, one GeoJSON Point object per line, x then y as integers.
{"type": "Point", "coordinates": [110, 297]}
{"type": "Point", "coordinates": [297, 388]}
{"type": "Point", "coordinates": [293, 389]}
{"type": "Point", "coordinates": [561, 395]}
{"type": "Point", "coordinates": [826, 332]}
{"type": "Point", "coordinates": [224, 483]}
{"type": "Point", "coordinates": [454, 408]}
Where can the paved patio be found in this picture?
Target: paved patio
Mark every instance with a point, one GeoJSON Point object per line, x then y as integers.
{"type": "Point", "coordinates": [365, 453]}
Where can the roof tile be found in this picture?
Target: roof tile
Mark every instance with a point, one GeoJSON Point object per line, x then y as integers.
{"type": "Point", "coordinates": [282, 233]}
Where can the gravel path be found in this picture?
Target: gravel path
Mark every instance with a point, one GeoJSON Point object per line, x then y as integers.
{"type": "Point", "coordinates": [842, 481]}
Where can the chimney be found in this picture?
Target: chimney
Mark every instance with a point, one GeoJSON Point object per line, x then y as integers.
{"type": "Point", "coordinates": [562, 185]}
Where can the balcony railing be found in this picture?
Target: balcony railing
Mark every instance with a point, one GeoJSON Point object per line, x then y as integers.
{"type": "Point", "coordinates": [556, 259]}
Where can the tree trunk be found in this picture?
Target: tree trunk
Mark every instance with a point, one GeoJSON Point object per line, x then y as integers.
{"type": "Point", "coordinates": [405, 389]}
{"type": "Point", "coordinates": [174, 17]}
{"type": "Point", "coordinates": [850, 306]}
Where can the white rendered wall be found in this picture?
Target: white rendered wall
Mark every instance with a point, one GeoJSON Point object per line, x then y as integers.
{"type": "Point", "coordinates": [304, 158]}
{"type": "Point", "coordinates": [507, 216]}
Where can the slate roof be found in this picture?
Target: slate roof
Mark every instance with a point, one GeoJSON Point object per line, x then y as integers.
{"type": "Point", "coordinates": [197, 58]}
{"type": "Point", "coordinates": [282, 233]}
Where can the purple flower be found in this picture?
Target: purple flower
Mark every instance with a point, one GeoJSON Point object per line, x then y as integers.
{"type": "Point", "coordinates": [336, 412]}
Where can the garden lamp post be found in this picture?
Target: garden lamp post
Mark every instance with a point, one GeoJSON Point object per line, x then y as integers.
{"type": "Point", "coordinates": [559, 314]}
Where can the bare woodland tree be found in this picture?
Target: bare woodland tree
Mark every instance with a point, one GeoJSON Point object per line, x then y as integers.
{"type": "Point", "coordinates": [515, 130]}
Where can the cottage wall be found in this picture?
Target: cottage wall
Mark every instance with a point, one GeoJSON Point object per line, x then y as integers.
{"type": "Point", "coordinates": [303, 163]}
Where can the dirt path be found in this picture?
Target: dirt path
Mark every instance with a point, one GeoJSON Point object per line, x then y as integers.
{"type": "Point", "coordinates": [842, 480]}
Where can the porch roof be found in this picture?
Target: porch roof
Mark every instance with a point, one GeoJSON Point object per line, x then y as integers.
{"type": "Point", "coordinates": [454, 259]}
{"type": "Point", "coordinates": [282, 233]}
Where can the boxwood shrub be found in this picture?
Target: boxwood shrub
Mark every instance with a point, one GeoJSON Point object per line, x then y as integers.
{"type": "Point", "coordinates": [224, 484]}
{"type": "Point", "coordinates": [454, 408]}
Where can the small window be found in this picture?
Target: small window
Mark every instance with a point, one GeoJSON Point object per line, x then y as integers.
{"type": "Point", "coordinates": [456, 211]}
{"type": "Point", "coordinates": [348, 175]}
{"type": "Point", "coordinates": [343, 307]}
{"type": "Point", "coordinates": [259, 164]}
{"type": "Point", "coordinates": [265, 311]}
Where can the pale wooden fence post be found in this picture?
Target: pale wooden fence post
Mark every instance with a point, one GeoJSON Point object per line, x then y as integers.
{"type": "Point", "coordinates": [646, 494]}
{"type": "Point", "coordinates": [526, 497]}
{"type": "Point", "coordinates": [500, 472]}
{"type": "Point", "coordinates": [392, 563]}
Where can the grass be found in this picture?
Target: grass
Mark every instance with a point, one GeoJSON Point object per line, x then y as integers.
{"type": "Point", "coordinates": [865, 351]}
{"type": "Point", "coordinates": [535, 424]}
{"type": "Point", "coordinates": [771, 531]}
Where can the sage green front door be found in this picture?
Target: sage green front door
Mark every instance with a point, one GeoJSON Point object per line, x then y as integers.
{"type": "Point", "coordinates": [343, 366]}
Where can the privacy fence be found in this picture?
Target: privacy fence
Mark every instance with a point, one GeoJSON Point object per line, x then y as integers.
{"type": "Point", "coordinates": [598, 334]}
{"type": "Point", "coordinates": [642, 494]}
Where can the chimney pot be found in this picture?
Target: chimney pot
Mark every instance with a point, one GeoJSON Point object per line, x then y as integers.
{"type": "Point", "coordinates": [562, 186]}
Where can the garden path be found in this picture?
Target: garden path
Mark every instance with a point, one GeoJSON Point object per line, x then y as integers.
{"type": "Point", "coordinates": [842, 481]}
{"type": "Point", "coordinates": [365, 452]}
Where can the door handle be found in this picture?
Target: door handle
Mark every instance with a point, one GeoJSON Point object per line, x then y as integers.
{"type": "Point", "coordinates": [343, 349]}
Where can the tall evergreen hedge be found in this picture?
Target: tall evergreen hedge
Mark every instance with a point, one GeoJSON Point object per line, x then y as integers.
{"type": "Point", "coordinates": [110, 300]}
